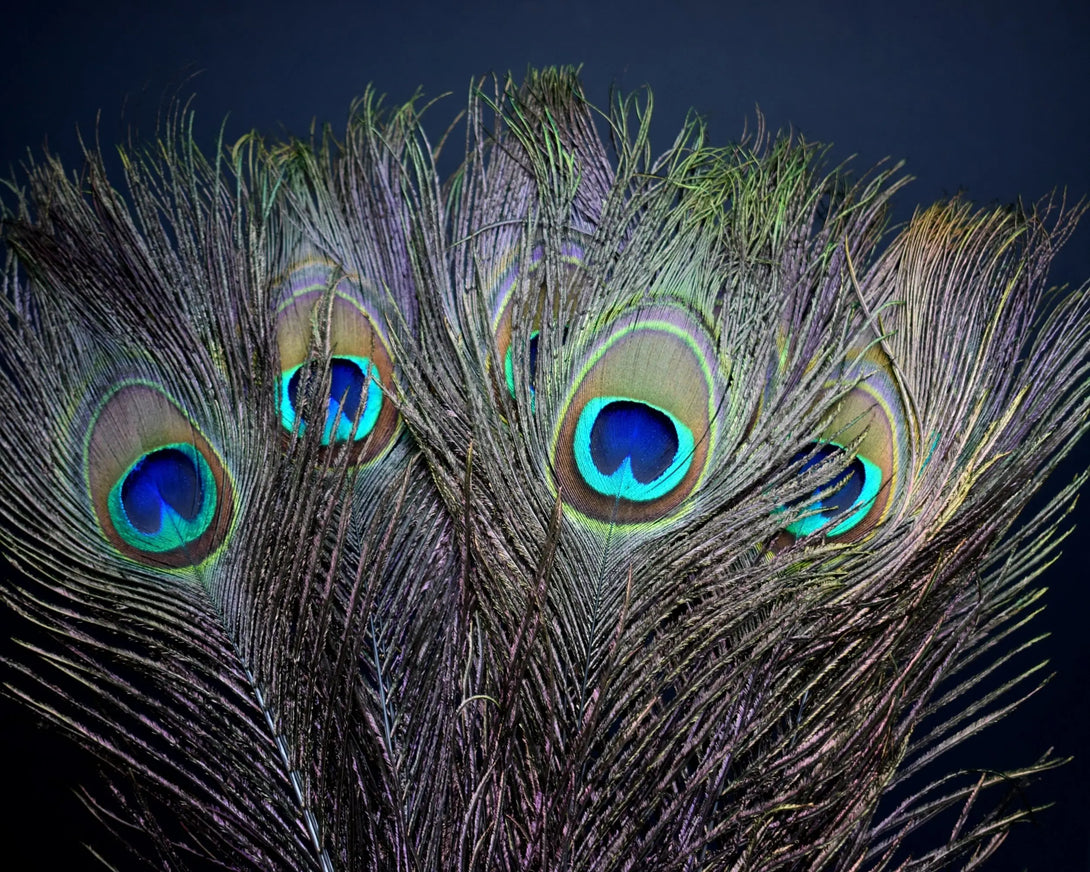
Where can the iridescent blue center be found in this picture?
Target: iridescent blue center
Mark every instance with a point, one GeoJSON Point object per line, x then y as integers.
{"type": "Point", "coordinates": [850, 493]}
{"type": "Point", "coordinates": [354, 392]}
{"type": "Point", "coordinates": [165, 500]}
{"type": "Point", "coordinates": [509, 366]}
{"type": "Point", "coordinates": [630, 449]}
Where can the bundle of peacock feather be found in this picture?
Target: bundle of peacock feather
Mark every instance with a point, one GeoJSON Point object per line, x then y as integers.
{"type": "Point", "coordinates": [588, 510]}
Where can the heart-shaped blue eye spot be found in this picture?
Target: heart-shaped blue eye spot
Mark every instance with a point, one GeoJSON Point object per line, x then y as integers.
{"type": "Point", "coordinates": [354, 403]}
{"type": "Point", "coordinates": [630, 449]}
{"type": "Point", "coordinates": [847, 496]}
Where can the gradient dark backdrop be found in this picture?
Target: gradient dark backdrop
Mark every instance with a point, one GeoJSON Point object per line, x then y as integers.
{"type": "Point", "coordinates": [988, 98]}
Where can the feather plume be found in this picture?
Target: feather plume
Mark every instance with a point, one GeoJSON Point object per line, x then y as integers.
{"type": "Point", "coordinates": [590, 509]}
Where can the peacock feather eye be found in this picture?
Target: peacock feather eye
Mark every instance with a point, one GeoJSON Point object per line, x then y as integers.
{"type": "Point", "coordinates": [846, 498]}
{"type": "Point", "coordinates": [356, 413]}
{"type": "Point", "coordinates": [159, 490]}
{"type": "Point", "coordinates": [871, 420]}
{"type": "Point", "coordinates": [571, 258]}
{"type": "Point", "coordinates": [634, 434]}
{"type": "Point", "coordinates": [531, 365]}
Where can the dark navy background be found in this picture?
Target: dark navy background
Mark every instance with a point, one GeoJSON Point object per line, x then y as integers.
{"type": "Point", "coordinates": [989, 98]}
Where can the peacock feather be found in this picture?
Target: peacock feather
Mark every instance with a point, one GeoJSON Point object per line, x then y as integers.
{"type": "Point", "coordinates": [589, 509]}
